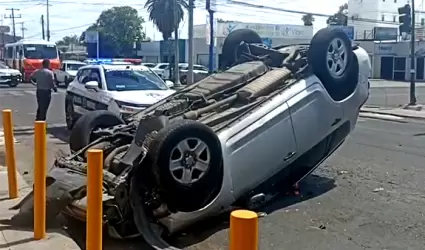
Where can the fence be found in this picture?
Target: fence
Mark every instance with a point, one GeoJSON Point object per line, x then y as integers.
{"type": "Point", "coordinates": [243, 223]}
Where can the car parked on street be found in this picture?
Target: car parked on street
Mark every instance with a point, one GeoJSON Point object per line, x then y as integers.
{"type": "Point", "coordinates": [10, 77]}
{"type": "Point", "coordinates": [237, 138]}
{"type": "Point", "coordinates": [67, 72]}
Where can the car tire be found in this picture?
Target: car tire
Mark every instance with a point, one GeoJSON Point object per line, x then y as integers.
{"type": "Point", "coordinates": [183, 80]}
{"type": "Point", "coordinates": [81, 133]}
{"type": "Point", "coordinates": [203, 185]}
{"type": "Point", "coordinates": [70, 116]}
{"type": "Point", "coordinates": [233, 40]}
{"type": "Point", "coordinates": [13, 84]}
{"type": "Point", "coordinates": [338, 77]}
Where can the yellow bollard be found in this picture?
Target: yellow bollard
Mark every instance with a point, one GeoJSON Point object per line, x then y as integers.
{"type": "Point", "coordinates": [9, 145]}
{"type": "Point", "coordinates": [94, 199]}
{"type": "Point", "coordinates": [40, 164]}
{"type": "Point", "coordinates": [243, 230]}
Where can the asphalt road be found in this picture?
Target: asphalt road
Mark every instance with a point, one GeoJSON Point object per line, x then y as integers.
{"type": "Point", "coordinates": [368, 195]}
{"type": "Point", "coordinates": [22, 101]}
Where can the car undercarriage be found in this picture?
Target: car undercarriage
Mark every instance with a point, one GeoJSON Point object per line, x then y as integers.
{"type": "Point", "coordinates": [139, 188]}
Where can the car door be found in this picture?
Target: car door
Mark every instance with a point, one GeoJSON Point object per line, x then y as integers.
{"type": "Point", "coordinates": [314, 114]}
{"type": "Point", "coordinates": [93, 99]}
{"type": "Point", "coordinates": [262, 145]}
{"type": "Point", "coordinates": [60, 73]}
{"type": "Point", "coordinates": [77, 91]}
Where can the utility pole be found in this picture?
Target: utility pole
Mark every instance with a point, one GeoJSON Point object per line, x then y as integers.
{"type": "Point", "coordinates": [211, 9]}
{"type": "Point", "coordinates": [412, 59]}
{"type": "Point", "coordinates": [47, 20]}
{"type": "Point", "coordinates": [42, 28]}
{"type": "Point", "coordinates": [13, 17]}
{"type": "Point", "coordinates": [189, 76]}
{"type": "Point", "coordinates": [23, 29]}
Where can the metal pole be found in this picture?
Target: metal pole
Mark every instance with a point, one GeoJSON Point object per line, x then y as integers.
{"type": "Point", "coordinates": [189, 78]}
{"type": "Point", "coordinates": [211, 48]}
{"type": "Point", "coordinates": [13, 25]}
{"type": "Point", "coordinates": [97, 45]}
{"type": "Point", "coordinates": [412, 59]}
{"type": "Point", "coordinates": [47, 20]}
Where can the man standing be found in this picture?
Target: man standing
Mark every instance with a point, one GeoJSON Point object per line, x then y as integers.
{"type": "Point", "coordinates": [44, 79]}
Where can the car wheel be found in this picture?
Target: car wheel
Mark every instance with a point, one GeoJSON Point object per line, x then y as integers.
{"type": "Point", "coordinates": [13, 84]}
{"type": "Point", "coordinates": [70, 116]}
{"type": "Point", "coordinates": [230, 53]}
{"type": "Point", "coordinates": [333, 61]}
{"type": "Point", "coordinates": [82, 131]}
{"type": "Point", "coordinates": [183, 80]}
{"type": "Point", "coordinates": [187, 164]}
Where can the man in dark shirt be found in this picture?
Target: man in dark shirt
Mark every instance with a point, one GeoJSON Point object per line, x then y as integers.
{"type": "Point", "coordinates": [44, 79]}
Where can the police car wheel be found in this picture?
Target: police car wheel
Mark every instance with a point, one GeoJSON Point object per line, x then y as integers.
{"type": "Point", "coordinates": [70, 116]}
{"type": "Point", "coordinates": [82, 131]}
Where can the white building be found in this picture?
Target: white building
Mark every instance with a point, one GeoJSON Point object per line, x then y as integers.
{"type": "Point", "coordinates": [364, 15]}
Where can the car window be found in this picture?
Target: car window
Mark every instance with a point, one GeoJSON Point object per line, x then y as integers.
{"type": "Point", "coordinates": [83, 76]}
{"type": "Point", "coordinates": [2, 66]}
{"type": "Point", "coordinates": [163, 66]}
{"type": "Point", "coordinates": [94, 75]}
{"type": "Point", "coordinates": [124, 80]}
{"type": "Point", "coordinates": [149, 65]}
{"type": "Point", "coordinates": [73, 66]}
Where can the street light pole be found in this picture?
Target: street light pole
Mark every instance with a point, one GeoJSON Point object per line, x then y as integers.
{"type": "Point", "coordinates": [412, 59]}
{"type": "Point", "coordinates": [189, 76]}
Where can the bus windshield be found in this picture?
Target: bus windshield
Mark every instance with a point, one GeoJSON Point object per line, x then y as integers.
{"type": "Point", "coordinates": [40, 51]}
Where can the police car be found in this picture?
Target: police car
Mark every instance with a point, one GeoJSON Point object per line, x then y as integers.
{"type": "Point", "coordinates": [117, 87]}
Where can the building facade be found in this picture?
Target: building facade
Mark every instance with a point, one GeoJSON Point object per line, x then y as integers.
{"type": "Point", "coordinates": [272, 35]}
{"type": "Point", "coordinates": [391, 60]}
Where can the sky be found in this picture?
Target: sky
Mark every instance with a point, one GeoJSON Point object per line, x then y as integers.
{"type": "Point", "coordinates": [69, 17]}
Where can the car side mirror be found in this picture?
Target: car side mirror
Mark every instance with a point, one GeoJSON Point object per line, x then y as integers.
{"type": "Point", "coordinates": [92, 85]}
{"type": "Point", "coordinates": [169, 83]}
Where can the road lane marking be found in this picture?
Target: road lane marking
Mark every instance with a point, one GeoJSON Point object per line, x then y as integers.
{"type": "Point", "coordinates": [16, 93]}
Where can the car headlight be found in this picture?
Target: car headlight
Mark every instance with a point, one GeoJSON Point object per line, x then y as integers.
{"type": "Point", "coordinates": [127, 107]}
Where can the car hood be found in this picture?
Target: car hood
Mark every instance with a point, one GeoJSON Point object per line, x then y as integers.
{"type": "Point", "coordinates": [10, 71]}
{"type": "Point", "coordinates": [72, 72]}
{"type": "Point", "coordinates": [141, 97]}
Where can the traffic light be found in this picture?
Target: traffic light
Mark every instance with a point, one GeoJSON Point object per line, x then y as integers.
{"type": "Point", "coordinates": [405, 19]}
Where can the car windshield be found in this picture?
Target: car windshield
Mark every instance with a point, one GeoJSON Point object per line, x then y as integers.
{"type": "Point", "coordinates": [74, 66]}
{"type": "Point", "coordinates": [149, 65]}
{"type": "Point", "coordinates": [2, 66]}
{"type": "Point", "coordinates": [124, 80]}
{"type": "Point", "coordinates": [40, 51]}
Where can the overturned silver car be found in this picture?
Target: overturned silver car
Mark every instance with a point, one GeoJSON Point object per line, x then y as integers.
{"type": "Point", "coordinates": [268, 120]}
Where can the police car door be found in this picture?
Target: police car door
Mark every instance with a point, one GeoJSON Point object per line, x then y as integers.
{"type": "Point", "coordinates": [86, 99]}
{"type": "Point", "coordinates": [94, 99]}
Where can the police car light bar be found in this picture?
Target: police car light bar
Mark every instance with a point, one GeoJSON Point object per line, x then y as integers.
{"type": "Point", "coordinates": [112, 60]}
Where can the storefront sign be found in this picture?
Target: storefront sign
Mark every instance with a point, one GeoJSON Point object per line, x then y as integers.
{"type": "Point", "coordinates": [267, 30]}
{"type": "Point", "coordinates": [385, 49]}
{"type": "Point", "coordinates": [385, 33]}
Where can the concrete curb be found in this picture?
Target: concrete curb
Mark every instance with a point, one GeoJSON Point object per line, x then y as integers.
{"type": "Point", "coordinates": [14, 238]}
{"type": "Point", "coordinates": [392, 113]}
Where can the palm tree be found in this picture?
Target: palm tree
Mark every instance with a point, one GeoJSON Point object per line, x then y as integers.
{"type": "Point", "coordinates": [167, 16]}
{"type": "Point", "coordinates": [308, 19]}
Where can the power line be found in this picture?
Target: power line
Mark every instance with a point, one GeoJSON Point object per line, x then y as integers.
{"type": "Point", "coordinates": [13, 17]}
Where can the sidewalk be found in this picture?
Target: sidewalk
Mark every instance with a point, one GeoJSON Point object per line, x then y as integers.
{"type": "Point", "coordinates": [15, 238]}
{"type": "Point", "coordinates": [409, 113]}
{"type": "Point", "coordinates": [380, 83]}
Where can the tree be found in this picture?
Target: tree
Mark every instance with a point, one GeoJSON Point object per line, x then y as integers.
{"type": "Point", "coordinates": [68, 40]}
{"type": "Point", "coordinates": [119, 27]}
{"type": "Point", "coordinates": [308, 19]}
{"type": "Point", "coordinates": [339, 18]}
{"type": "Point", "coordinates": [167, 16]}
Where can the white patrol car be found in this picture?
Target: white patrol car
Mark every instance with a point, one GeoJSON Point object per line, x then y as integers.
{"type": "Point", "coordinates": [124, 89]}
